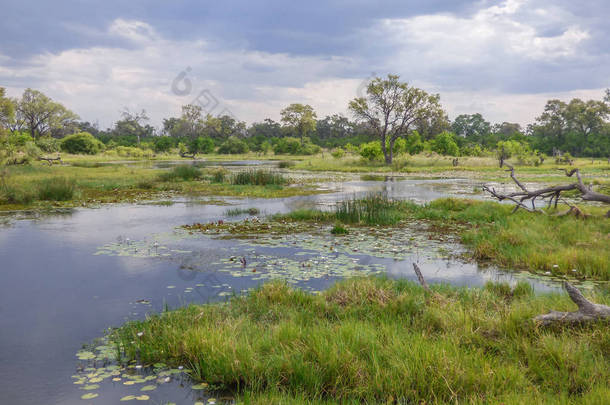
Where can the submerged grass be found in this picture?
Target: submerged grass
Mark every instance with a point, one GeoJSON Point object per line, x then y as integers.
{"type": "Point", "coordinates": [381, 341]}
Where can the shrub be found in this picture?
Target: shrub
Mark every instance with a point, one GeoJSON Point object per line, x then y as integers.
{"type": "Point", "coordinates": [285, 164]}
{"type": "Point", "coordinates": [258, 178]}
{"type": "Point", "coordinates": [293, 146]}
{"type": "Point", "coordinates": [21, 139]}
{"type": "Point", "coordinates": [48, 144]}
{"type": "Point", "coordinates": [371, 151]}
{"type": "Point", "coordinates": [444, 144]}
{"type": "Point", "coordinates": [81, 143]}
{"type": "Point", "coordinates": [233, 146]}
{"type": "Point", "coordinates": [202, 144]}
{"type": "Point", "coordinates": [219, 175]}
{"type": "Point", "coordinates": [182, 172]}
{"type": "Point", "coordinates": [131, 151]}
{"type": "Point", "coordinates": [338, 153]}
{"type": "Point", "coordinates": [414, 143]}
{"type": "Point", "coordinates": [339, 229]}
{"type": "Point", "coordinates": [56, 189]}
{"type": "Point", "coordinates": [163, 144]}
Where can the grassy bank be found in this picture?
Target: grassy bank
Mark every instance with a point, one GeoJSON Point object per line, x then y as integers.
{"type": "Point", "coordinates": [534, 242]}
{"type": "Point", "coordinates": [381, 341]}
{"type": "Point", "coordinates": [40, 186]}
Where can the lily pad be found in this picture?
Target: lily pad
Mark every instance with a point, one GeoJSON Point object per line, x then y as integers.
{"type": "Point", "coordinates": [148, 388]}
{"type": "Point", "coordinates": [90, 395]}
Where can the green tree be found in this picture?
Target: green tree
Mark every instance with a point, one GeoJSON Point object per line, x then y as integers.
{"type": "Point", "coordinates": [301, 118]}
{"type": "Point", "coordinates": [444, 144]}
{"type": "Point", "coordinates": [391, 108]}
{"type": "Point", "coordinates": [472, 127]}
{"type": "Point", "coordinates": [40, 115]}
{"type": "Point", "coordinates": [7, 110]}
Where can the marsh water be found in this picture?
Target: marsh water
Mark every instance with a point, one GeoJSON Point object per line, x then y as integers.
{"type": "Point", "coordinates": [67, 277]}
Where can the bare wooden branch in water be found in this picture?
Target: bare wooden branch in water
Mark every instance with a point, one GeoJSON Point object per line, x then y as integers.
{"type": "Point", "coordinates": [50, 160]}
{"type": "Point", "coordinates": [552, 194]}
{"type": "Point", "coordinates": [587, 310]}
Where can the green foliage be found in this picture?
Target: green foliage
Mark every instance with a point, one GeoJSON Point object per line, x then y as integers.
{"type": "Point", "coordinates": [234, 212]}
{"type": "Point", "coordinates": [286, 164]}
{"type": "Point", "coordinates": [445, 144]}
{"type": "Point", "coordinates": [20, 139]}
{"type": "Point", "coordinates": [81, 143]}
{"type": "Point", "coordinates": [131, 151]}
{"type": "Point", "coordinates": [219, 175]}
{"type": "Point", "coordinates": [48, 144]}
{"type": "Point", "coordinates": [339, 229]}
{"type": "Point", "coordinates": [205, 144]}
{"type": "Point", "coordinates": [519, 150]}
{"type": "Point", "coordinates": [294, 146]}
{"type": "Point", "coordinates": [374, 209]}
{"type": "Point", "coordinates": [338, 153]}
{"type": "Point", "coordinates": [258, 177]}
{"type": "Point", "coordinates": [233, 145]}
{"type": "Point", "coordinates": [371, 151]}
{"type": "Point", "coordinates": [163, 144]}
{"type": "Point", "coordinates": [300, 119]}
{"type": "Point", "coordinates": [56, 189]}
{"type": "Point", "coordinates": [379, 341]}
{"type": "Point", "coordinates": [181, 172]}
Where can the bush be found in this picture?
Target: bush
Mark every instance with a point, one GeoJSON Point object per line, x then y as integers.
{"type": "Point", "coordinates": [131, 151]}
{"type": "Point", "coordinates": [182, 172]}
{"type": "Point", "coordinates": [293, 146]}
{"type": "Point", "coordinates": [414, 143]}
{"type": "Point", "coordinates": [202, 145]}
{"type": "Point", "coordinates": [258, 178]}
{"type": "Point", "coordinates": [233, 146]}
{"type": "Point", "coordinates": [163, 144]}
{"type": "Point", "coordinates": [48, 144]}
{"type": "Point", "coordinates": [219, 175]}
{"type": "Point", "coordinates": [444, 144]}
{"type": "Point", "coordinates": [371, 151]}
{"type": "Point", "coordinates": [338, 153]}
{"type": "Point", "coordinates": [56, 189]}
{"type": "Point", "coordinates": [82, 143]}
{"type": "Point", "coordinates": [286, 164]}
{"type": "Point", "coordinates": [21, 139]}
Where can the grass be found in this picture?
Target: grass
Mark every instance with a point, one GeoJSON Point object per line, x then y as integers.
{"type": "Point", "coordinates": [381, 341]}
{"type": "Point", "coordinates": [565, 246]}
{"type": "Point", "coordinates": [56, 189]}
{"type": "Point", "coordinates": [234, 212]}
{"type": "Point", "coordinates": [258, 177]}
{"type": "Point", "coordinates": [339, 229]}
{"type": "Point", "coordinates": [181, 172]}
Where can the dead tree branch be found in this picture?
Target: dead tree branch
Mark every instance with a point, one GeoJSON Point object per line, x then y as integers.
{"type": "Point", "coordinates": [552, 194]}
{"type": "Point", "coordinates": [50, 160]}
{"type": "Point", "coordinates": [421, 278]}
{"type": "Point", "coordinates": [587, 310]}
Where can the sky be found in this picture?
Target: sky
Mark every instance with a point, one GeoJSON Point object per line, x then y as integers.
{"type": "Point", "coordinates": [250, 59]}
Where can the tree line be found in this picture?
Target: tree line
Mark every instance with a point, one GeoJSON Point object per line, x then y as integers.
{"type": "Point", "coordinates": [393, 117]}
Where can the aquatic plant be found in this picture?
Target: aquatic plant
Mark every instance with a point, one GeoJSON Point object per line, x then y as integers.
{"type": "Point", "coordinates": [233, 212]}
{"type": "Point", "coordinates": [181, 172]}
{"type": "Point", "coordinates": [258, 177]}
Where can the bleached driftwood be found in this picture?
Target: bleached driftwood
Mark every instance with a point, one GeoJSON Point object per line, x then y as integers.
{"type": "Point", "coordinates": [587, 310]}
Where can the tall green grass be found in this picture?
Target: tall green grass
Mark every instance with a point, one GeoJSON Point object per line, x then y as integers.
{"type": "Point", "coordinates": [374, 209]}
{"type": "Point", "coordinates": [56, 189]}
{"type": "Point", "coordinates": [181, 172]}
{"type": "Point", "coordinates": [381, 341]}
{"type": "Point", "coordinates": [258, 177]}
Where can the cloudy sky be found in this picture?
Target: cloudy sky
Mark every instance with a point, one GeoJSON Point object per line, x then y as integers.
{"type": "Point", "coordinates": [501, 58]}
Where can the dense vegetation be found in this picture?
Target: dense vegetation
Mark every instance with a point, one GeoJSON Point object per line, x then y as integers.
{"type": "Point", "coordinates": [381, 341]}
{"type": "Point", "coordinates": [33, 125]}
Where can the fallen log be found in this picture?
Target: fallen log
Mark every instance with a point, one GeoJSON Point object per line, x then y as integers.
{"type": "Point", "coordinates": [552, 194]}
{"type": "Point", "coordinates": [50, 160]}
{"type": "Point", "coordinates": [186, 155]}
{"type": "Point", "coordinates": [587, 310]}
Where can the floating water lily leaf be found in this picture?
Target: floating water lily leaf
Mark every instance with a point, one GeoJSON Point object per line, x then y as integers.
{"type": "Point", "coordinates": [116, 379]}
{"type": "Point", "coordinates": [90, 387]}
{"type": "Point", "coordinates": [96, 379]}
{"type": "Point", "coordinates": [90, 395]}
{"type": "Point", "coordinates": [129, 382]}
{"type": "Point", "coordinates": [128, 398]}
{"type": "Point", "coordinates": [85, 355]}
{"type": "Point", "coordinates": [148, 388]}
{"type": "Point", "coordinates": [143, 398]}
{"type": "Point", "coordinates": [201, 386]}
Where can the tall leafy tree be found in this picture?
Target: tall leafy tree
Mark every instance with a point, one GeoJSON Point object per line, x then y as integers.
{"type": "Point", "coordinates": [40, 115]}
{"type": "Point", "coordinates": [393, 108]}
{"type": "Point", "coordinates": [7, 109]}
{"type": "Point", "coordinates": [473, 127]}
{"type": "Point", "coordinates": [300, 118]}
